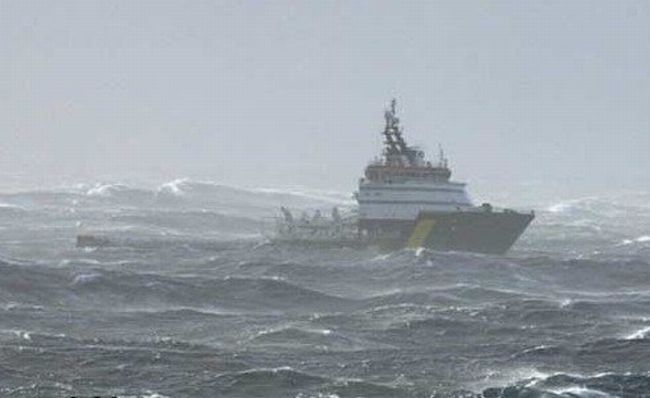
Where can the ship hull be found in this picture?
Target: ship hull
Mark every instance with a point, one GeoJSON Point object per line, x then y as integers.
{"type": "Point", "coordinates": [480, 232]}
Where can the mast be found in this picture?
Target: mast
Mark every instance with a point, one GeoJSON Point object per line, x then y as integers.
{"type": "Point", "coordinates": [396, 147]}
{"type": "Point", "coordinates": [402, 161]}
{"type": "Point", "coordinates": [396, 130]}
{"type": "Point", "coordinates": [389, 141]}
{"type": "Point", "coordinates": [442, 160]}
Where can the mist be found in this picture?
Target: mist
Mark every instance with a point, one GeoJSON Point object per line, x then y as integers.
{"type": "Point", "coordinates": [194, 201]}
{"type": "Point", "coordinates": [550, 95]}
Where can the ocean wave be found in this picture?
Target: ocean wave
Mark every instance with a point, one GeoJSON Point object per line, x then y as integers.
{"type": "Point", "coordinates": [169, 301]}
{"type": "Point", "coordinates": [272, 291]}
{"type": "Point", "coordinates": [102, 189]}
{"type": "Point", "coordinates": [116, 194]}
{"type": "Point", "coordinates": [174, 187]}
{"type": "Point", "coordinates": [34, 337]}
{"type": "Point", "coordinates": [229, 292]}
{"type": "Point", "coordinates": [181, 312]}
{"type": "Point", "coordinates": [559, 207]}
{"type": "Point", "coordinates": [146, 394]}
{"type": "Point", "coordinates": [640, 239]}
{"type": "Point", "coordinates": [447, 295]}
{"type": "Point", "coordinates": [562, 385]}
{"type": "Point", "coordinates": [185, 186]}
{"type": "Point", "coordinates": [185, 193]}
{"type": "Point", "coordinates": [625, 352]}
{"type": "Point", "coordinates": [47, 202]}
{"type": "Point", "coordinates": [46, 286]}
{"type": "Point", "coordinates": [41, 389]}
{"type": "Point", "coordinates": [305, 338]}
{"type": "Point", "coordinates": [42, 341]}
{"type": "Point", "coordinates": [439, 326]}
{"type": "Point", "coordinates": [639, 334]}
{"type": "Point", "coordinates": [211, 241]}
{"type": "Point", "coordinates": [609, 206]}
{"type": "Point", "coordinates": [86, 278]}
{"type": "Point", "coordinates": [291, 331]}
{"type": "Point", "coordinates": [286, 381]}
{"type": "Point", "coordinates": [203, 220]}
{"type": "Point", "coordinates": [11, 206]}
{"type": "Point", "coordinates": [583, 206]}
{"type": "Point", "coordinates": [271, 378]}
{"type": "Point", "coordinates": [13, 306]}
{"type": "Point", "coordinates": [332, 197]}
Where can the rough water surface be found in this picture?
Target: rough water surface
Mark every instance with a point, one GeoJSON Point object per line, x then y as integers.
{"type": "Point", "coordinates": [188, 299]}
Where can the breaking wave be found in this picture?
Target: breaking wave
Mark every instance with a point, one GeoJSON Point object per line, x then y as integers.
{"type": "Point", "coordinates": [560, 385]}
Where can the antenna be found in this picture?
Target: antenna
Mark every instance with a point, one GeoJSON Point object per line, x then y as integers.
{"type": "Point", "coordinates": [442, 161]}
{"type": "Point", "coordinates": [392, 123]}
{"type": "Point", "coordinates": [391, 146]}
{"type": "Point", "coordinates": [392, 141]}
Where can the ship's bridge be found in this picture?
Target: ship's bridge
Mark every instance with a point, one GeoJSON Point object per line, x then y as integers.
{"type": "Point", "coordinates": [402, 183]}
{"type": "Point", "coordinates": [381, 172]}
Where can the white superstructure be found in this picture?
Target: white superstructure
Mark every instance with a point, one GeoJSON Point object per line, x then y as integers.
{"type": "Point", "coordinates": [403, 183]}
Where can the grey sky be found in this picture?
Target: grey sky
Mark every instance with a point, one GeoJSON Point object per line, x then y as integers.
{"type": "Point", "coordinates": [288, 92]}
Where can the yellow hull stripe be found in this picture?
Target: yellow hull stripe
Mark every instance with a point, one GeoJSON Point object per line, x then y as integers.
{"type": "Point", "coordinates": [422, 229]}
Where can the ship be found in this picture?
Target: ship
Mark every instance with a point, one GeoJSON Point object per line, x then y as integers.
{"type": "Point", "coordinates": [406, 200]}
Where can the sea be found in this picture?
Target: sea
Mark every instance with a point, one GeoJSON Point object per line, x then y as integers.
{"type": "Point", "coordinates": [186, 296]}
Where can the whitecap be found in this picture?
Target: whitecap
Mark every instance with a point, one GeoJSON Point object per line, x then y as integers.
{"type": "Point", "coordinates": [81, 279]}
{"type": "Point", "coordinates": [23, 334]}
{"type": "Point", "coordinates": [101, 189]}
{"type": "Point", "coordinates": [276, 278]}
{"type": "Point", "coordinates": [640, 239]}
{"type": "Point", "coordinates": [639, 334]}
{"type": "Point", "coordinates": [147, 394]}
{"type": "Point", "coordinates": [79, 261]}
{"type": "Point", "coordinates": [531, 376]}
{"type": "Point", "coordinates": [174, 187]}
{"type": "Point", "coordinates": [381, 257]}
{"type": "Point", "coordinates": [10, 206]}
{"type": "Point", "coordinates": [560, 207]}
{"type": "Point", "coordinates": [12, 306]}
{"type": "Point", "coordinates": [582, 392]}
{"type": "Point", "coordinates": [541, 347]}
